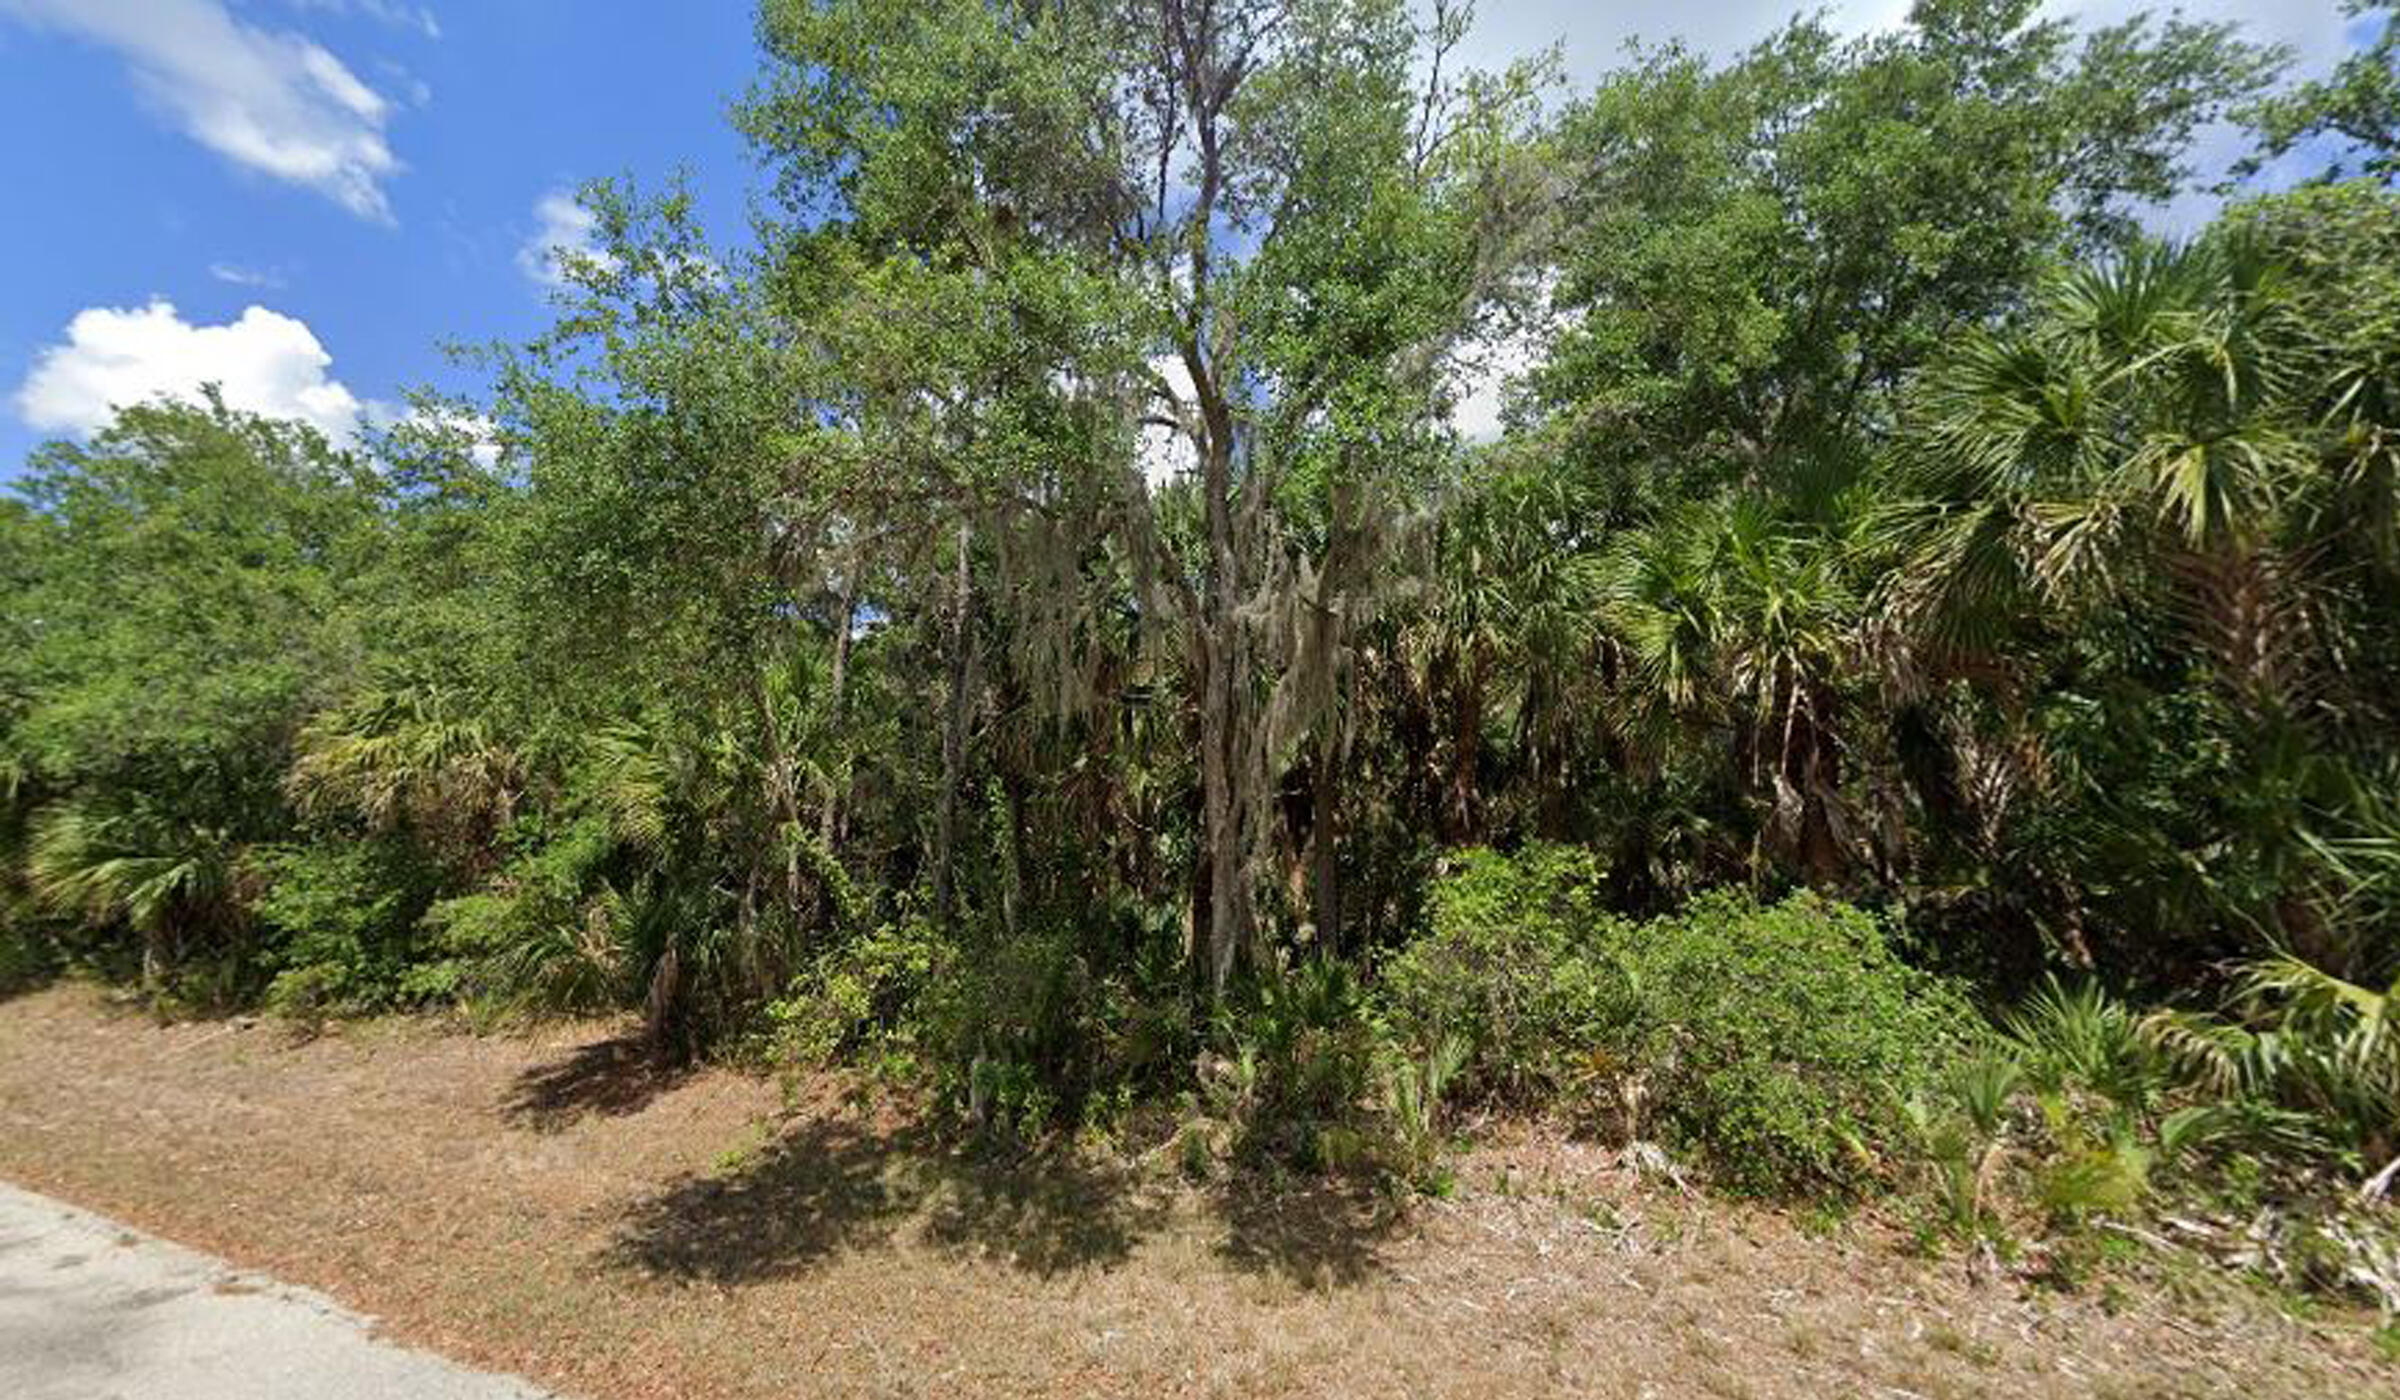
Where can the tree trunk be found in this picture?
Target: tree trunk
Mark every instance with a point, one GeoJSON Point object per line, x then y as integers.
{"type": "Point", "coordinates": [954, 739]}
{"type": "Point", "coordinates": [783, 791]}
{"type": "Point", "coordinates": [156, 957]}
{"type": "Point", "coordinates": [662, 1023]}
{"type": "Point", "coordinates": [1222, 657]}
{"type": "Point", "coordinates": [830, 815]}
{"type": "Point", "coordinates": [1325, 870]}
{"type": "Point", "coordinates": [1222, 830]}
{"type": "Point", "coordinates": [1466, 750]}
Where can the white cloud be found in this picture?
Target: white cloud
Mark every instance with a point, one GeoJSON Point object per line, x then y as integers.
{"type": "Point", "coordinates": [1481, 371]}
{"type": "Point", "coordinates": [485, 436]}
{"type": "Point", "coordinates": [1168, 454]}
{"type": "Point", "coordinates": [391, 12]}
{"type": "Point", "coordinates": [273, 102]}
{"type": "Point", "coordinates": [564, 230]}
{"type": "Point", "coordinates": [262, 277]}
{"type": "Point", "coordinates": [1594, 36]}
{"type": "Point", "coordinates": [413, 90]}
{"type": "Point", "coordinates": [1593, 40]}
{"type": "Point", "coordinates": [2312, 28]}
{"type": "Point", "coordinates": [475, 432]}
{"type": "Point", "coordinates": [264, 362]}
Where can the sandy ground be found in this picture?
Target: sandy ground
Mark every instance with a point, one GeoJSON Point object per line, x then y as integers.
{"type": "Point", "coordinates": [548, 1205]}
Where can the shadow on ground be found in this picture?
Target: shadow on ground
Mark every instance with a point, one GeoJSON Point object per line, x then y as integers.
{"type": "Point", "coordinates": [605, 1078]}
{"type": "Point", "coordinates": [835, 1184]}
{"type": "Point", "coordinates": [1315, 1233]}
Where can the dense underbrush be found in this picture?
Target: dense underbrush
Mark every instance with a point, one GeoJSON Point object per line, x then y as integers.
{"type": "Point", "coordinates": [1781, 1049]}
{"type": "Point", "coordinates": [1777, 1049]}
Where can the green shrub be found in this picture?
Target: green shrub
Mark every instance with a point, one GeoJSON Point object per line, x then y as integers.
{"type": "Point", "coordinates": [856, 1001]}
{"type": "Point", "coordinates": [1301, 1067]}
{"type": "Point", "coordinates": [1508, 969]}
{"type": "Point", "coordinates": [1780, 1042]}
{"type": "Point", "coordinates": [2079, 1040]}
{"type": "Point", "coordinates": [1776, 1043]}
{"type": "Point", "coordinates": [342, 919]}
{"type": "Point", "coordinates": [27, 958]}
{"type": "Point", "coordinates": [541, 934]}
{"type": "Point", "coordinates": [1065, 1022]}
{"type": "Point", "coordinates": [1414, 1088]}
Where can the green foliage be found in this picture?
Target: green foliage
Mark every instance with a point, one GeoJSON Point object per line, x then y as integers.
{"type": "Point", "coordinates": [2081, 1038]}
{"type": "Point", "coordinates": [414, 759]}
{"type": "Point", "coordinates": [2323, 1048]}
{"type": "Point", "coordinates": [192, 563]}
{"type": "Point", "coordinates": [1057, 1027]}
{"type": "Point", "coordinates": [185, 582]}
{"type": "Point", "coordinates": [543, 934]}
{"type": "Point", "coordinates": [181, 887]}
{"type": "Point", "coordinates": [1961, 1131]}
{"type": "Point", "coordinates": [863, 1000]}
{"type": "Point", "coordinates": [1416, 1088]}
{"type": "Point", "coordinates": [2099, 1116]}
{"type": "Point", "coordinates": [1764, 249]}
{"type": "Point", "coordinates": [343, 918]}
{"type": "Point", "coordinates": [2157, 505]}
{"type": "Point", "coordinates": [1779, 1042]}
{"type": "Point", "coordinates": [1302, 1065]}
{"type": "Point", "coordinates": [1507, 969]}
{"type": "Point", "coordinates": [2355, 108]}
{"type": "Point", "coordinates": [1033, 627]}
{"type": "Point", "coordinates": [27, 958]}
{"type": "Point", "coordinates": [2102, 1091]}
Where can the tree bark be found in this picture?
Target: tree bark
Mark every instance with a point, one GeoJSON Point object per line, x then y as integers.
{"type": "Point", "coordinates": [830, 815]}
{"type": "Point", "coordinates": [1325, 825]}
{"type": "Point", "coordinates": [954, 738]}
{"type": "Point", "coordinates": [783, 791]}
{"type": "Point", "coordinates": [155, 958]}
{"type": "Point", "coordinates": [1466, 749]}
{"type": "Point", "coordinates": [1222, 662]}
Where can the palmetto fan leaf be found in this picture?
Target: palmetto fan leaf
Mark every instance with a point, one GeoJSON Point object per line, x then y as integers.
{"type": "Point", "coordinates": [2005, 416]}
{"type": "Point", "coordinates": [410, 754]}
{"type": "Point", "coordinates": [1789, 601]}
{"type": "Point", "coordinates": [2211, 485]}
{"type": "Point", "coordinates": [2307, 1038]}
{"type": "Point", "coordinates": [2155, 410]}
{"type": "Point", "coordinates": [1662, 595]}
{"type": "Point", "coordinates": [2355, 1018]}
{"type": "Point", "coordinates": [630, 778]}
{"type": "Point", "coordinates": [162, 877]}
{"type": "Point", "coordinates": [2170, 369]}
{"type": "Point", "coordinates": [122, 866]}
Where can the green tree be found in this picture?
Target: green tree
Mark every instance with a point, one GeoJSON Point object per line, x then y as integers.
{"type": "Point", "coordinates": [1757, 255]}
{"type": "Point", "coordinates": [2354, 110]}
{"type": "Point", "coordinates": [2166, 503]}
{"type": "Point", "coordinates": [1239, 224]}
{"type": "Point", "coordinates": [197, 577]}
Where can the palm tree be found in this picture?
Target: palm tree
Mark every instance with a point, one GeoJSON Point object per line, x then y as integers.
{"type": "Point", "coordinates": [2146, 459]}
{"type": "Point", "coordinates": [1741, 619]}
{"type": "Point", "coordinates": [2315, 1041]}
{"type": "Point", "coordinates": [1509, 634]}
{"type": "Point", "coordinates": [413, 756]}
{"type": "Point", "coordinates": [171, 880]}
{"type": "Point", "coordinates": [2148, 416]}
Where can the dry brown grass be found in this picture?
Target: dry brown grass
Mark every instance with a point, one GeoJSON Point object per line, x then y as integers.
{"type": "Point", "coordinates": [550, 1204]}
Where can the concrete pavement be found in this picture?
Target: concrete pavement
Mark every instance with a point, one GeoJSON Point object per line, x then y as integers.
{"type": "Point", "coordinates": [90, 1310]}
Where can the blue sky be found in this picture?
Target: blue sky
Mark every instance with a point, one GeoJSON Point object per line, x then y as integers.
{"type": "Point", "coordinates": [304, 198]}
{"type": "Point", "coordinates": [223, 180]}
